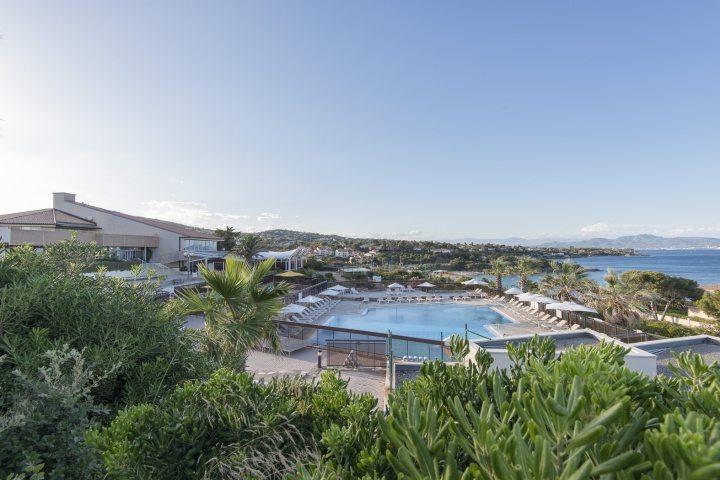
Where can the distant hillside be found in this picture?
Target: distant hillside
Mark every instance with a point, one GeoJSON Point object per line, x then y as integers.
{"type": "Point", "coordinates": [638, 242]}
{"type": "Point", "coordinates": [287, 237]}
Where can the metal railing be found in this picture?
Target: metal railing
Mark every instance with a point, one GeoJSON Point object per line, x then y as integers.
{"type": "Point", "coordinates": [618, 332]}
{"type": "Point", "coordinates": [401, 346]}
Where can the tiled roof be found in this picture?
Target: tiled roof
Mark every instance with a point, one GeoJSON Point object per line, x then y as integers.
{"type": "Point", "coordinates": [46, 217]}
{"type": "Point", "coordinates": [171, 227]}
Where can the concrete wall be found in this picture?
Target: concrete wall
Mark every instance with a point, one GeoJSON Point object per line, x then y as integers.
{"type": "Point", "coordinates": [38, 238]}
{"type": "Point", "coordinates": [637, 360]}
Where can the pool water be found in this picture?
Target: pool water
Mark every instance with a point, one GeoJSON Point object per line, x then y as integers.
{"type": "Point", "coordinates": [434, 322]}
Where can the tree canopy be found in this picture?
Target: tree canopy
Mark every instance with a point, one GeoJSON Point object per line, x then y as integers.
{"type": "Point", "coordinates": [667, 290]}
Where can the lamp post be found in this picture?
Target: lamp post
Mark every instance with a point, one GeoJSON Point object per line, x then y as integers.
{"type": "Point", "coordinates": [187, 255]}
{"type": "Point", "coordinates": [319, 356]}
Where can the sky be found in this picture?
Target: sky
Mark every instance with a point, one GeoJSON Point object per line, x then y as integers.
{"type": "Point", "coordinates": [407, 119]}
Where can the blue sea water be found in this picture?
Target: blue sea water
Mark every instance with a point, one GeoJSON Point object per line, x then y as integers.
{"type": "Point", "coordinates": [703, 266]}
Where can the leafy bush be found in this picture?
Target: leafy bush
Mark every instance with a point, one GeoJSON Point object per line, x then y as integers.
{"type": "Point", "coordinates": [231, 427]}
{"type": "Point", "coordinates": [45, 419]}
{"type": "Point", "coordinates": [45, 303]}
{"type": "Point", "coordinates": [582, 415]}
{"type": "Point", "coordinates": [667, 329]}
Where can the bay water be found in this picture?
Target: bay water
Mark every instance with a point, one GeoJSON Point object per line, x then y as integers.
{"type": "Point", "coordinates": [703, 266]}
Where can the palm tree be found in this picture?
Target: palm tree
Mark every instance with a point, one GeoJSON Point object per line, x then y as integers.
{"type": "Point", "coordinates": [622, 301]}
{"type": "Point", "coordinates": [499, 268]}
{"type": "Point", "coordinates": [524, 267]}
{"type": "Point", "coordinates": [568, 280]}
{"type": "Point", "coordinates": [238, 309]}
{"type": "Point", "coordinates": [249, 247]}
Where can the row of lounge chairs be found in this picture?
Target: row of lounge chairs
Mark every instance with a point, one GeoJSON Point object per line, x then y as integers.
{"type": "Point", "coordinates": [412, 299]}
{"type": "Point", "coordinates": [313, 313]}
{"type": "Point", "coordinates": [545, 320]}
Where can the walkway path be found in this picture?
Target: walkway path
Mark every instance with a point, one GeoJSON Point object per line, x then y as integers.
{"type": "Point", "coordinates": [303, 363]}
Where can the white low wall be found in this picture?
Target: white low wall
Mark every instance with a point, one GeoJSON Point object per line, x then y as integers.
{"type": "Point", "coordinates": [636, 359]}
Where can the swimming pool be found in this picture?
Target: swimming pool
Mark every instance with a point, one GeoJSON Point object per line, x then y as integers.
{"type": "Point", "coordinates": [434, 322]}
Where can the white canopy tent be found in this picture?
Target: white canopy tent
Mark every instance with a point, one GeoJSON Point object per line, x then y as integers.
{"type": "Point", "coordinates": [330, 292]}
{"type": "Point", "coordinates": [475, 281]}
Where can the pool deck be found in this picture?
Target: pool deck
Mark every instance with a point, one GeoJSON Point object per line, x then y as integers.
{"type": "Point", "coordinates": [302, 362]}
{"type": "Point", "coordinates": [523, 325]}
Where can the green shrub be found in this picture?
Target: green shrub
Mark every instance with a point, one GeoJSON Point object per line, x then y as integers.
{"type": "Point", "coordinates": [45, 419]}
{"type": "Point", "coordinates": [230, 427]}
{"type": "Point", "coordinates": [667, 329]}
{"type": "Point", "coordinates": [120, 326]}
{"type": "Point", "coordinates": [582, 415]}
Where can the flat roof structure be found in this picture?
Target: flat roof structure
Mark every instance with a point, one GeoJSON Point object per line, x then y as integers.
{"type": "Point", "coordinates": [637, 359]}
{"type": "Point", "coordinates": [705, 345]}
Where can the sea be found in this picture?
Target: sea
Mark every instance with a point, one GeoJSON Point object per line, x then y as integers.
{"type": "Point", "coordinates": [703, 266]}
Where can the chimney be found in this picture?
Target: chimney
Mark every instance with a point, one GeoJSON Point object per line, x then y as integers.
{"type": "Point", "coordinates": [60, 198]}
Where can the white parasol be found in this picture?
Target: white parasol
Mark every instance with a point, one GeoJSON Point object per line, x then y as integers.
{"type": "Point", "coordinates": [570, 307]}
{"type": "Point", "coordinates": [310, 299]}
{"type": "Point", "coordinates": [293, 308]}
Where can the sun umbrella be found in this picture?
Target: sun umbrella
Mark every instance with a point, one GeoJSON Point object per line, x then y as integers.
{"type": "Point", "coordinates": [475, 281]}
{"type": "Point", "coordinates": [310, 299]}
{"type": "Point", "coordinates": [542, 299]}
{"type": "Point", "coordinates": [525, 297]}
{"type": "Point", "coordinates": [330, 292]}
{"type": "Point", "coordinates": [293, 308]}
{"type": "Point", "coordinates": [395, 285]}
{"type": "Point", "coordinates": [339, 288]}
{"type": "Point", "coordinates": [426, 285]}
{"type": "Point", "coordinates": [513, 291]}
{"type": "Point", "coordinates": [570, 307]}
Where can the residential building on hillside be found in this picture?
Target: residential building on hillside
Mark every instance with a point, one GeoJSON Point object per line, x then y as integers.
{"type": "Point", "coordinates": [324, 251]}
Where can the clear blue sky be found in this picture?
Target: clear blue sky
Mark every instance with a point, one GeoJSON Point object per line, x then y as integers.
{"type": "Point", "coordinates": [403, 119]}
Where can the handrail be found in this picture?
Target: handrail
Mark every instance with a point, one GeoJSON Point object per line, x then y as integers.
{"type": "Point", "coordinates": [476, 333]}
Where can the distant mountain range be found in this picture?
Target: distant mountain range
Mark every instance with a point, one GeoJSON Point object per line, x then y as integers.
{"type": "Point", "coordinates": [637, 242]}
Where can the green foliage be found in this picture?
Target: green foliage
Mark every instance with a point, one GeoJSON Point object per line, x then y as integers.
{"type": "Point", "coordinates": [232, 427]}
{"type": "Point", "coordinates": [229, 237]}
{"type": "Point", "coordinates": [710, 303]}
{"type": "Point", "coordinates": [666, 291]}
{"type": "Point", "coordinates": [567, 281]}
{"type": "Point", "coordinates": [582, 415]}
{"type": "Point", "coordinates": [121, 327]}
{"type": "Point", "coordinates": [238, 310]}
{"type": "Point", "coordinates": [44, 420]}
{"type": "Point", "coordinates": [667, 329]}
